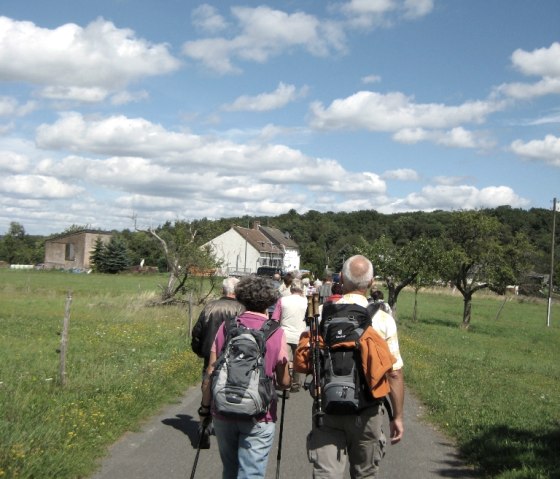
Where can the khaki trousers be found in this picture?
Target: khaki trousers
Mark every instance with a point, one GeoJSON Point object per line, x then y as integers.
{"type": "Point", "coordinates": [358, 439]}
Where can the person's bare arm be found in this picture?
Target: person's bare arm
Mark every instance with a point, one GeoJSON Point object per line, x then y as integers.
{"type": "Point", "coordinates": [206, 392]}
{"type": "Point", "coordinates": [396, 381]}
{"type": "Point", "coordinates": [283, 379]}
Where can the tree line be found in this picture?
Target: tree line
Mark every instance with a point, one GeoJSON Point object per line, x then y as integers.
{"type": "Point", "coordinates": [473, 250]}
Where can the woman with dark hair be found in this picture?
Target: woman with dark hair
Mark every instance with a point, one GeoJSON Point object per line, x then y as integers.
{"type": "Point", "coordinates": [245, 444]}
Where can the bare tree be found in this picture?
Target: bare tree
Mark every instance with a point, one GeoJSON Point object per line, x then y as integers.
{"type": "Point", "coordinates": [188, 263]}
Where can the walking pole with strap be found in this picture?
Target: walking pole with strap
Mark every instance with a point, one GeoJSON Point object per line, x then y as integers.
{"type": "Point", "coordinates": [313, 319]}
{"type": "Point", "coordinates": [205, 425]}
{"type": "Point", "coordinates": [279, 454]}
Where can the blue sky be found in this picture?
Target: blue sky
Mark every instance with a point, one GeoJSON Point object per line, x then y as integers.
{"type": "Point", "coordinates": [168, 110]}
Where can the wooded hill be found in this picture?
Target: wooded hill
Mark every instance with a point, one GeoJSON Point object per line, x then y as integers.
{"type": "Point", "coordinates": [325, 239]}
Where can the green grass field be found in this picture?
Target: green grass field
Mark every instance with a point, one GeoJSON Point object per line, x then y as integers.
{"type": "Point", "coordinates": [124, 361]}
{"type": "Point", "coordinates": [495, 389]}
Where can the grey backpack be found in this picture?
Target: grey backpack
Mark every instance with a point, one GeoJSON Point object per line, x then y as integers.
{"type": "Point", "coordinates": [343, 386]}
{"type": "Point", "coordinates": [240, 385]}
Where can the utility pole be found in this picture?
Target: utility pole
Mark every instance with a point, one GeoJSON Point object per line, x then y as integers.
{"type": "Point", "coordinates": [550, 281]}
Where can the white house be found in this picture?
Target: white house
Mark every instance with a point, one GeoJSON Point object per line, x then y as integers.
{"type": "Point", "coordinates": [243, 250]}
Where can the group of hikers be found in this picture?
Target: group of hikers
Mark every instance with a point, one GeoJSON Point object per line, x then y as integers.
{"type": "Point", "coordinates": [264, 336]}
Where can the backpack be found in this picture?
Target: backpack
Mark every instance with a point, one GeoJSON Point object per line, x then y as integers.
{"type": "Point", "coordinates": [240, 386]}
{"type": "Point", "coordinates": [343, 384]}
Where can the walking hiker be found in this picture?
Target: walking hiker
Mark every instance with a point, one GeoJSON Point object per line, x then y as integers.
{"type": "Point", "coordinates": [244, 441]}
{"type": "Point", "coordinates": [351, 426]}
{"type": "Point", "coordinates": [204, 332]}
{"type": "Point", "coordinates": [290, 312]}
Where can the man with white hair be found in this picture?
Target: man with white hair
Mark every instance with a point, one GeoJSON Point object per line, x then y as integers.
{"type": "Point", "coordinates": [205, 329]}
{"type": "Point", "coordinates": [360, 436]}
{"type": "Point", "coordinates": [212, 316]}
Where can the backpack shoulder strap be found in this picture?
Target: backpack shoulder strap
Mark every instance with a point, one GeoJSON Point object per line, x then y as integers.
{"type": "Point", "coordinates": [372, 308]}
{"type": "Point", "coordinates": [269, 327]}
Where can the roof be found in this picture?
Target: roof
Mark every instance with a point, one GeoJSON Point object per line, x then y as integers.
{"type": "Point", "coordinates": [78, 232]}
{"type": "Point", "coordinates": [258, 240]}
{"type": "Point", "coordinates": [278, 237]}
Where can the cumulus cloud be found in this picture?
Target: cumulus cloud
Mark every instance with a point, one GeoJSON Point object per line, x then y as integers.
{"type": "Point", "coordinates": [37, 186]}
{"type": "Point", "coordinates": [401, 174]}
{"type": "Point", "coordinates": [409, 121]}
{"type": "Point", "coordinates": [460, 197]}
{"type": "Point", "coordinates": [541, 62]}
{"type": "Point", "coordinates": [205, 17]}
{"type": "Point", "coordinates": [371, 79]}
{"type": "Point", "coordinates": [547, 150]}
{"type": "Point", "coordinates": [9, 106]}
{"type": "Point", "coordinates": [372, 13]}
{"type": "Point", "coordinates": [264, 33]}
{"type": "Point", "coordinates": [13, 162]}
{"type": "Point", "coordinates": [84, 62]}
{"type": "Point", "coordinates": [279, 98]}
{"type": "Point", "coordinates": [395, 111]}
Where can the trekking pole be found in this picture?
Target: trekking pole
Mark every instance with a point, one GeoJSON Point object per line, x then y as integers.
{"type": "Point", "coordinates": [200, 439]}
{"type": "Point", "coordinates": [313, 316]}
{"type": "Point", "coordinates": [279, 454]}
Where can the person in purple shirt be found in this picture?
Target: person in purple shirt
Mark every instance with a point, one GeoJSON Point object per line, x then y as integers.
{"type": "Point", "coordinates": [245, 444]}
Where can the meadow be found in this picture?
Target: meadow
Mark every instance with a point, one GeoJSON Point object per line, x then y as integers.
{"type": "Point", "coordinates": [494, 389]}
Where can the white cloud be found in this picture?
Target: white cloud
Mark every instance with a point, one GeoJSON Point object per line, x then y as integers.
{"type": "Point", "coordinates": [395, 112]}
{"type": "Point", "coordinates": [95, 58]}
{"type": "Point", "coordinates": [448, 180]}
{"type": "Point", "coordinates": [13, 162]}
{"type": "Point", "coordinates": [401, 174]}
{"type": "Point", "coordinates": [371, 79]}
{"type": "Point", "coordinates": [547, 150]}
{"type": "Point", "coordinates": [37, 186]}
{"type": "Point", "coordinates": [542, 62]}
{"type": "Point", "coordinates": [264, 33]}
{"type": "Point", "coordinates": [124, 97]}
{"type": "Point", "coordinates": [279, 98]}
{"type": "Point", "coordinates": [372, 13]}
{"type": "Point", "coordinates": [460, 197]}
{"type": "Point", "coordinates": [206, 18]}
{"type": "Point", "coordinates": [9, 106]}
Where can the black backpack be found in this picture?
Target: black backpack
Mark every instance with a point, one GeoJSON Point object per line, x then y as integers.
{"type": "Point", "coordinates": [343, 385]}
{"type": "Point", "coordinates": [240, 386]}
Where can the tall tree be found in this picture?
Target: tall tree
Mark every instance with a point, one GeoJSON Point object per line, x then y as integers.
{"type": "Point", "coordinates": [97, 257]}
{"type": "Point", "coordinates": [186, 259]}
{"type": "Point", "coordinates": [115, 256]}
{"type": "Point", "coordinates": [480, 258]}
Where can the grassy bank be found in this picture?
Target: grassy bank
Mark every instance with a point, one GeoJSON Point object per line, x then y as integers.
{"type": "Point", "coordinates": [124, 361]}
{"type": "Point", "coordinates": [494, 388]}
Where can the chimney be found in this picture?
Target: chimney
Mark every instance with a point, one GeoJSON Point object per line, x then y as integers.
{"type": "Point", "coordinates": [256, 225]}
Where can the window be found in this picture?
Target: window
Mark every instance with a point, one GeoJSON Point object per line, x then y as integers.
{"type": "Point", "coordinates": [69, 254]}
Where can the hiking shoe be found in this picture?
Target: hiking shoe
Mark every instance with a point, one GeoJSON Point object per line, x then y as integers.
{"type": "Point", "coordinates": [295, 388]}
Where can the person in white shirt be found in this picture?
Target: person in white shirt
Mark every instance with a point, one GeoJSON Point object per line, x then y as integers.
{"type": "Point", "coordinates": [290, 311]}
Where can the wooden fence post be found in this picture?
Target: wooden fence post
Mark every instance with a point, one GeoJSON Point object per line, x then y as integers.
{"type": "Point", "coordinates": [64, 339]}
{"type": "Point", "coordinates": [189, 307]}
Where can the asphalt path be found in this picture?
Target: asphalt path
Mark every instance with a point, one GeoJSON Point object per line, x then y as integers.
{"type": "Point", "coordinates": [165, 447]}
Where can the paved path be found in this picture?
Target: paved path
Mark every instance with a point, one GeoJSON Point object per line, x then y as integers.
{"type": "Point", "coordinates": [165, 447]}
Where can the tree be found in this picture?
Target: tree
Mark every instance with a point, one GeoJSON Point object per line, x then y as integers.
{"type": "Point", "coordinates": [97, 257]}
{"type": "Point", "coordinates": [480, 258]}
{"type": "Point", "coordinates": [110, 258]}
{"type": "Point", "coordinates": [186, 259]}
{"type": "Point", "coordinates": [393, 264]}
{"type": "Point", "coordinates": [17, 247]}
{"type": "Point", "coordinates": [430, 257]}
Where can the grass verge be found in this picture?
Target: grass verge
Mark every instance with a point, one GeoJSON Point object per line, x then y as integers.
{"type": "Point", "coordinates": [124, 361]}
{"type": "Point", "coordinates": [494, 388]}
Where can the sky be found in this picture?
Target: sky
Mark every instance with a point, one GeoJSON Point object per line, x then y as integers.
{"type": "Point", "coordinates": [118, 113]}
